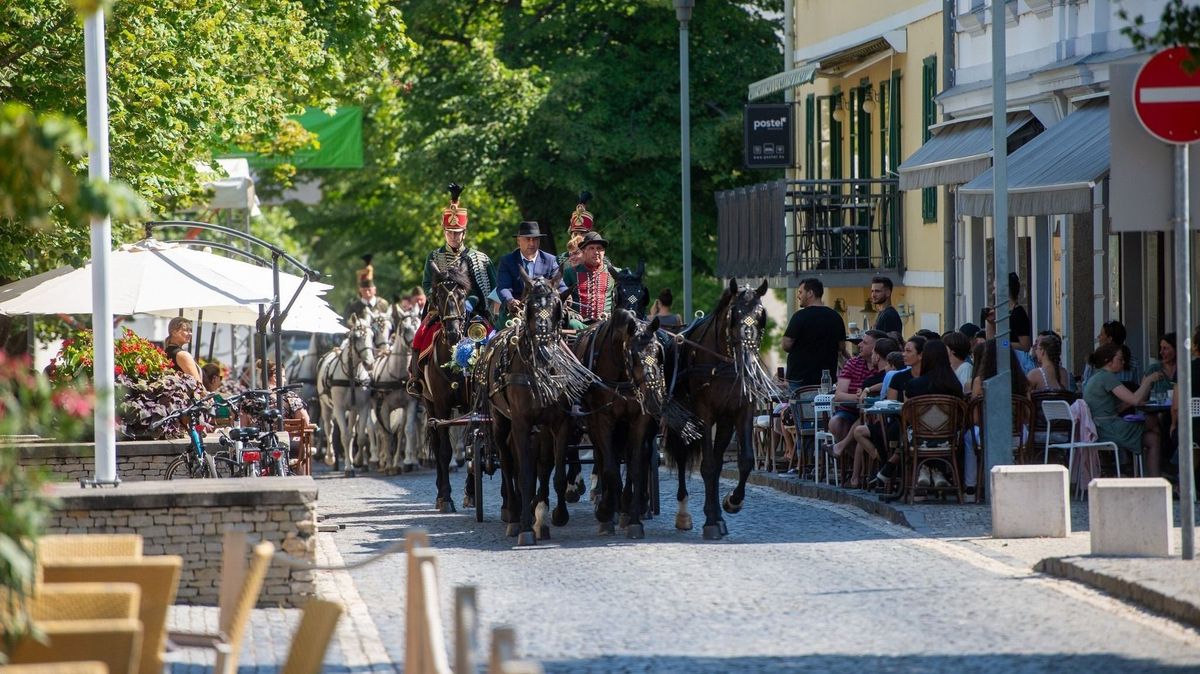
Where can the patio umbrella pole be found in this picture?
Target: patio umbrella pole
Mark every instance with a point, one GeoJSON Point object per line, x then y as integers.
{"type": "Point", "coordinates": [197, 332]}
{"type": "Point", "coordinates": [212, 341]}
{"type": "Point", "coordinates": [101, 231]}
{"type": "Point", "coordinates": [262, 346]}
{"type": "Point", "coordinates": [276, 322]}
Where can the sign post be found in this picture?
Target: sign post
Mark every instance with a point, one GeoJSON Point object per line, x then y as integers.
{"type": "Point", "coordinates": [1167, 101]}
{"type": "Point", "coordinates": [768, 135]}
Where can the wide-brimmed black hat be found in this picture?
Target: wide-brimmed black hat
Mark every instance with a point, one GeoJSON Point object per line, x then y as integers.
{"type": "Point", "coordinates": [592, 237]}
{"type": "Point", "coordinates": [528, 228]}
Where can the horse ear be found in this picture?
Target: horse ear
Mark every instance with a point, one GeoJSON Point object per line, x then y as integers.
{"type": "Point", "coordinates": [630, 325]}
{"type": "Point", "coordinates": [641, 268]}
{"type": "Point", "coordinates": [762, 289]}
{"type": "Point", "coordinates": [733, 286]}
{"type": "Point", "coordinates": [525, 278]}
{"type": "Point", "coordinates": [558, 274]}
{"type": "Point", "coordinates": [564, 295]}
{"type": "Point", "coordinates": [654, 325]}
{"type": "Point", "coordinates": [437, 271]}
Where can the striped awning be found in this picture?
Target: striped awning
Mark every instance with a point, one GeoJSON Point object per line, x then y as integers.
{"type": "Point", "coordinates": [780, 81]}
{"type": "Point", "coordinates": [957, 152]}
{"type": "Point", "coordinates": [1052, 174]}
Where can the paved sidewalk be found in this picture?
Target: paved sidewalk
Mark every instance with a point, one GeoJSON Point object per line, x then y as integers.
{"type": "Point", "coordinates": [356, 647]}
{"type": "Point", "coordinates": [1168, 586]}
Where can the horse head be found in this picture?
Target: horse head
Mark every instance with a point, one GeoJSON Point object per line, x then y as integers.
{"type": "Point", "coordinates": [741, 319]}
{"type": "Point", "coordinates": [406, 330]}
{"type": "Point", "coordinates": [360, 342]}
{"type": "Point", "coordinates": [644, 356]}
{"type": "Point", "coordinates": [542, 307]}
{"type": "Point", "coordinates": [450, 288]}
{"type": "Point", "coordinates": [381, 328]}
{"type": "Point", "coordinates": [632, 294]}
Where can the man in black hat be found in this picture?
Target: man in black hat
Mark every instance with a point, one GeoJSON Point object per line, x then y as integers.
{"type": "Point", "coordinates": [593, 284]}
{"type": "Point", "coordinates": [528, 257]}
{"type": "Point", "coordinates": [367, 301]}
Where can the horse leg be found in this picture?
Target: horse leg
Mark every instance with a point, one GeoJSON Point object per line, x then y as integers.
{"type": "Point", "coordinates": [545, 459]}
{"type": "Point", "coordinates": [710, 470]}
{"type": "Point", "coordinates": [559, 438]}
{"type": "Point", "coordinates": [442, 452]}
{"type": "Point", "coordinates": [576, 487]}
{"type": "Point", "coordinates": [412, 435]}
{"type": "Point", "coordinates": [609, 469]}
{"type": "Point", "coordinates": [637, 469]}
{"type": "Point", "coordinates": [527, 459]}
{"type": "Point", "coordinates": [723, 435]}
{"type": "Point", "coordinates": [501, 438]}
{"type": "Point", "coordinates": [678, 450]}
{"type": "Point", "coordinates": [745, 430]}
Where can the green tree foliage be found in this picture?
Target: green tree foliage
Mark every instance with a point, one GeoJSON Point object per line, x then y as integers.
{"type": "Point", "coordinates": [526, 103]}
{"type": "Point", "coordinates": [1179, 25]}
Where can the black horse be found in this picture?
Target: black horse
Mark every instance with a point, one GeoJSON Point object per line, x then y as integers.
{"type": "Point", "coordinates": [530, 380]}
{"type": "Point", "coordinates": [623, 411]}
{"type": "Point", "coordinates": [632, 294]}
{"type": "Point", "coordinates": [444, 390]}
{"type": "Point", "coordinates": [719, 378]}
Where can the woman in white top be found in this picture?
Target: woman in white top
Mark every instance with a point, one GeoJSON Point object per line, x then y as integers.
{"type": "Point", "coordinates": [1049, 375]}
{"type": "Point", "coordinates": [960, 352]}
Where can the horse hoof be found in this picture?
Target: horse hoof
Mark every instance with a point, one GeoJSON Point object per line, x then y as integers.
{"type": "Point", "coordinates": [468, 503]}
{"type": "Point", "coordinates": [731, 507]}
{"type": "Point", "coordinates": [560, 517]}
{"type": "Point", "coordinates": [460, 462]}
{"type": "Point", "coordinates": [724, 529]}
{"type": "Point", "coordinates": [330, 459]}
{"type": "Point", "coordinates": [544, 533]}
{"type": "Point", "coordinates": [606, 529]}
{"type": "Point", "coordinates": [623, 520]}
{"type": "Point", "coordinates": [350, 472]}
{"type": "Point", "coordinates": [408, 468]}
{"type": "Point", "coordinates": [445, 506]}
{"type": "Point", "coordinates": [712, 532]}
{"type": "Point", "coordinates": [648, 515]}
{"type": "Point", "coordinates": [512, 529]}
{"type": "Point", "coordinates": [526, 538]}
{"type": "Point", "coordinates": [570, 495]}
{"type": "Point", "coordinates": [683, 522]}
{"type": "Point", "coordinates": [635, 531]}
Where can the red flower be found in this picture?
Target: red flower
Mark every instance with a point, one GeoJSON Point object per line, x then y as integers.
{"type": "Point", "coordinates": [119, 370]}
{"type": "Point", "coordinates": [142, 369]}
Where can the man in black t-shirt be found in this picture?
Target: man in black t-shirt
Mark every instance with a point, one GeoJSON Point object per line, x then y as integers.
{"type": "Point", "coordinates": [813, 338]}
{"type": "Point", "coordinates": [888, 319]}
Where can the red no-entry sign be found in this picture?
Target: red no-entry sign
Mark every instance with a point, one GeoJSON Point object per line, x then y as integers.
{"type": "Point", "coordinates": [1167, 98]}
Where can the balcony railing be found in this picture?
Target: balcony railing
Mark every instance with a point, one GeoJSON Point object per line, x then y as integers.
{"type": "Point", "coordinates": [847, 227]}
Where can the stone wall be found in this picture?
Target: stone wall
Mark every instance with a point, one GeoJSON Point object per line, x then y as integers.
{"type": "Point", "coordinates": [73, 461]}
{"type": "Point", "coordinates": [188, 518]}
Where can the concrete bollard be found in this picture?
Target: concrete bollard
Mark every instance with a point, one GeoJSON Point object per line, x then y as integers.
{"type": "Point", "coordinates": [1030, 501]}
{"type": "Point", "coordinates": [1130, 517]}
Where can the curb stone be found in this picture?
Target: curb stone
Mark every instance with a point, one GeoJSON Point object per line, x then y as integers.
{"type": "Point", "coordinates": [823, 492]}
{"type": "Point", "coordinates": [1092, 571]}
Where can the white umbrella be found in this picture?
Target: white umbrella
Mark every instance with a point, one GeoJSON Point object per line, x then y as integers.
{"type": "Point", "coordinates": [145, 277]}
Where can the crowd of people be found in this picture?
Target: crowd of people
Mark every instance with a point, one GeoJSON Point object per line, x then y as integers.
{"type": "Point", "coordinates": [890, 366]}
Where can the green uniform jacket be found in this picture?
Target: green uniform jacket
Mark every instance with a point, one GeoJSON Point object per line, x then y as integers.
{"type": "Point", "coordinates": [479, 268]}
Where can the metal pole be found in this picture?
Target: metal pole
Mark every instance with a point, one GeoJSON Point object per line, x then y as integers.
{"type": "Point", "coordinates": [685, 146]}
{"type": "Point", "coordinates": [95, 73]}
{"type": "Point", "coordinates": [1183, 314]}
{"type": "Point", "coordinates": [998, 391]}
{"type": "Point", "coordinates": [276, 325]}
{"type": "Point", "coordinates": [789, 96]}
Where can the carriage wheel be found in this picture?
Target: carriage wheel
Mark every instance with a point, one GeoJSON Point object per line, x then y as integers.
{"type": "Point", "coordinates": [476, 436]}
{"type": "Point", "coordinates": [655, 462]}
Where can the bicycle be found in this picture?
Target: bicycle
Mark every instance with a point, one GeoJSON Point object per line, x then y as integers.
{"type": "Point", "coordinates": [269, 457]}
{"type": "Point", "coordinates": [194, 462]}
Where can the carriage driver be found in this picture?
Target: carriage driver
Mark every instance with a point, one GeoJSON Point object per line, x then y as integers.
{"type": "Point", "coordinates": [476, 264]}
{"type": "Point", "coordinates": [528, 257]}
{"type": "Point", "coordinates": [593, 284]}
{"type": "Point", "coordinates": [367, 300]}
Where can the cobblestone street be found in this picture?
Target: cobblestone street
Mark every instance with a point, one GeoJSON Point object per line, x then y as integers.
{"type": "Point", "coordinates": [798, 585]}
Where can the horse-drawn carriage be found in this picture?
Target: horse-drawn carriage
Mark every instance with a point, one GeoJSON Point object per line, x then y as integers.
{"type": "Point", "coordinates": [525, 395]}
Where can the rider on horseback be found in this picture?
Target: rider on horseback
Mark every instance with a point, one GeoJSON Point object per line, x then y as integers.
{"type": "Point", "coordinates": [368, 301]}
{"type": "Point", "coordinates": [476, 264]}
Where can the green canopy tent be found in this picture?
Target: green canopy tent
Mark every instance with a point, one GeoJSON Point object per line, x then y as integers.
{"type": "Point", "coordinates": [339, 142]}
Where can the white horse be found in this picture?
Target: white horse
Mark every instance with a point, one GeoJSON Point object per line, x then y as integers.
{"type": "Point", "coordinates": [364, 429]}
{"type": "Point", "coordinates": [397, 427]}
{"type": "Point", "coordinates": [342, 378]}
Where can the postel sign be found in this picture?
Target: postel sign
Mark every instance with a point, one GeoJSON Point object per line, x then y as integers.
{"type": "Point", "coordinates": [768, 135]}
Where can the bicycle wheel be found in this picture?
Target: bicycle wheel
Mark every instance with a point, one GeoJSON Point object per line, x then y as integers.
{"type": "Point", "coordinates": [179, 468]}
{"type": "Point", "coordinates": [226, 466]}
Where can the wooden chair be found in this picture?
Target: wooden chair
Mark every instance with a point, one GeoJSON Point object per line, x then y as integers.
{"type": "Point", "coordinates": [157, 577]}
{"type": "Point", "coordinates": [302, 436]}
{"type": "Point", "coordinates": [1022, 436]}
{"type": "Point", "coordinates": [91, 667]}
{"type": "Point", "coordinates": [83, 622]}
{"type": "Point", "coordinates": [311, 639]}
{"type": "Point", "coordinates": [932, 428]}
{"type": "Point", "coordinates": [240, 587]}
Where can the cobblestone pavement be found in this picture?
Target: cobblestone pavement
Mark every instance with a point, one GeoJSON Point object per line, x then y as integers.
{"type": "Point", "coordinates": [798, 585]}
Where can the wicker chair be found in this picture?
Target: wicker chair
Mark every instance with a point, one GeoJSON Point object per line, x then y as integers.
{"type": "Point", "coordinates": [83, 622]}
{"type": "Point", "coordinates": [76, 546]}
{"type": "Point", "coordinates": [240, 587]}
{"type": "Point", "coordinates": [932, 428]}
{"type": "Point", "coordinates": [156, 576]}
{"type": "Point", "coordinates": [90, 667]}
{"type": "Point", "coordinates": [1022, 436]}
{"type": "Point", "coordinates": [312, 637]}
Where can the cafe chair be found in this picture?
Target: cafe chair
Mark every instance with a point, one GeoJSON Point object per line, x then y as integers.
{"type": "Point", "coordinates": [1022, 436]}
{"type": "Point", "coordinates": [80, 622]}
{"type": "Point", "coordinates": [823, 442]}
{"type": "Point", "coordinates": [1059, 410]}
{"type": "Point", "coordinates": [806, 427]}
{"type": "Point", "coordinates": [309, 643]}
{"type": "Point", "coordinates": [932, 429]}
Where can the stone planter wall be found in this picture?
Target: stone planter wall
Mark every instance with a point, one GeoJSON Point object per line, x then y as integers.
{"type": "Point", "coordinates": [137, 461]}
{"type": "Point", "coordinates": [188, 518]}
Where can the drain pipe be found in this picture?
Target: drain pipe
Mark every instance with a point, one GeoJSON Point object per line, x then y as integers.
{"type": "Point", "coordinates": [950, 219]}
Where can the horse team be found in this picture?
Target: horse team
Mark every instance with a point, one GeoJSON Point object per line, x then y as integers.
{"type": "Point", "coordinates": [622, 379]}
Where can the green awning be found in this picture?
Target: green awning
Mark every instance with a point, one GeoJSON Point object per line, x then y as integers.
{"type": "Point", "coordinates": [784, 80]}
{"type": "Point", "coordinates": [339, 142]}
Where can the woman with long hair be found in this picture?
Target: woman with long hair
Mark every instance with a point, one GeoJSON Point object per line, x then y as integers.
{"type": "Point", "coordinates": [179, 335]}
{"type": "Point", "coordinates": [1049, 375]}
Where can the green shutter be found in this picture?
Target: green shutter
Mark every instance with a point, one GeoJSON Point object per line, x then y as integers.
{"type": "Point", "coordinates": [894, 123]}
{"type": "Point", "coordinates": [810, 128]}
{"type": "Point", "coordinates": [864, 130]}
{"type": "Point", "coordinates": [835, 138]}
{"type": "Point", "coordinates": [928, 118]}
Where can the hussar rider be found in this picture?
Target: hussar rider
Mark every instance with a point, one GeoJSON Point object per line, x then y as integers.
{"type": "Point", "coordinates": [455, 253]}
{"type": "Point", "coordinates": [367, 302]}
{"type": "Point", "coordinates": [592, 284]}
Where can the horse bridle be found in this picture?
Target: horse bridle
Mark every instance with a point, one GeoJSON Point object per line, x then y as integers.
{"type": "Point", "coordinates": [449, 298]}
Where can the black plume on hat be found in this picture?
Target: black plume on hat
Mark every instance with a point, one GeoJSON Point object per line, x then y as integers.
{"type": "Point", "coordinates": [367, 258]}
{"type": "Point", "coordinates": [455, 190]}
{"type": "Point", "coordinates": [584, 196]}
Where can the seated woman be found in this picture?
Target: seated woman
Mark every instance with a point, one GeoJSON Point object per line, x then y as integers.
{"type": "Point", "coordinates": [934, 376]}
{"type": "Point", "coordinates": [179, 334]}
{"type": "Point", "coordinates": [875, 386]}
{"type": "Point", "coordinates": [1049, 374]}
{"type": "Point", "coordinates": [1108, 399]}
{"type": "Point", "coordinates": [293, 405]}
{"type": "Point", "coordinates": [868, 438]}
{"type": "Point", "coordinates": [213, 376]}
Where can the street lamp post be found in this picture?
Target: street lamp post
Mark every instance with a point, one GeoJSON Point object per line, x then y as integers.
{"type": "Point", "coordinates": [683, 12]}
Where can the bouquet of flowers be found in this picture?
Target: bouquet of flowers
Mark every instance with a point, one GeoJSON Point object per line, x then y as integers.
{"type": "Point", "coordinates": [135, 358]}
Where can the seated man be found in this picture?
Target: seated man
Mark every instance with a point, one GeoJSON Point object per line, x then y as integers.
{"type": "Point", "coordinates": [592, 284]}
{"type": "Point", "coordinates": [528, 257]}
